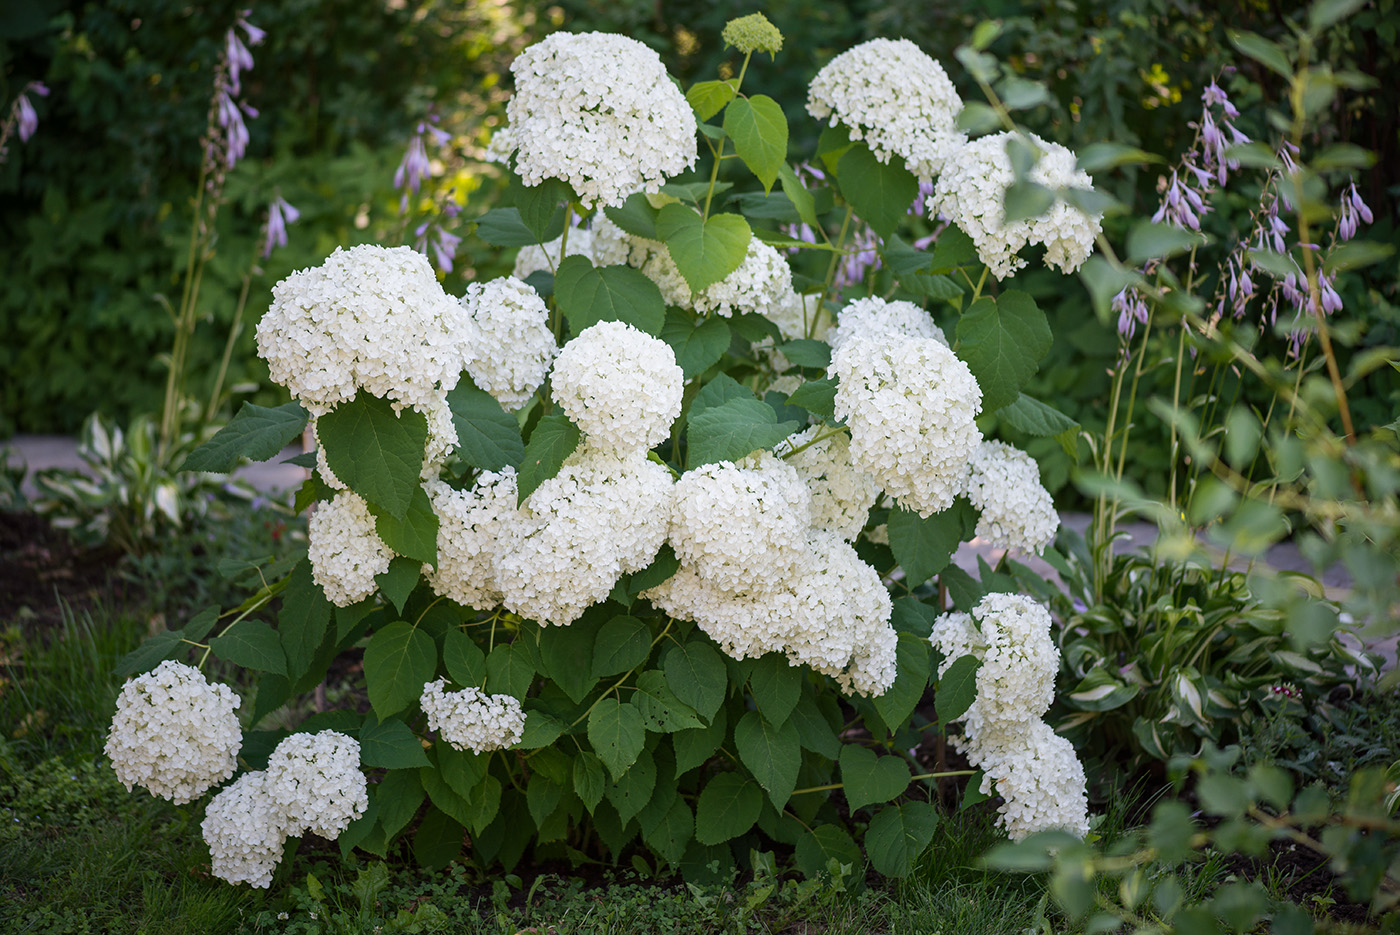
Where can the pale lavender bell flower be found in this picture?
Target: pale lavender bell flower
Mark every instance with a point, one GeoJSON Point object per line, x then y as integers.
{"type": "Point", "coordinates": [279, 215]}
{"type": "Point", "coordinates": [1354, 211]}
{"type": "Point", "coordinates": [28, 119]}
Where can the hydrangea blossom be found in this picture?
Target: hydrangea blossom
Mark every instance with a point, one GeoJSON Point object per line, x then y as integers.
{"type": "Point", "coordinates": [761, 281]}
{"type": "Point", "coordinates": [891, 94]}
{"type": "Point", "coordinates": [878, 319]}
{"type": "Point", "coordinates": [371, 318]}
{"type": "Point", "coordinates": [316, 783]}
{"type": "Point", "coordinates": [620, 386]}
{"type": "Point", "coordinates": [1037, 774]}
{"type": "Point", "coordinates": [842, 493]}
{"type": "Point", "coordinates": [533, 258]}
{"type": "Point", "coordinates": [613, 246]}
{"type": "Point", "coordinates": [469, 525]}
{"type": "Point", "coordinates": [1017, 512]}
{"type": "Point", "coordinates": [797, 316]}
{"type": "Point", "coordinates": [599, 112]}
{"type": "Point", "coordinates": [911, 406]}
{"type": "Point", "coordinates": [245, 831]}
{"type": "Point", "coordinates": [742, 526]}
{"type": "Point", "coordinates": [972, 188]}
{"type": "Point", "coordinates": [472, 720]}
{"type": "Point", "coordinates": [345, 551]}
{"type": "Point", "coordinates": [174, 734]}
{"type": "Point", "coordinates": [511, 344]}
{"type": "Point", "coordinates": [1011, 638]}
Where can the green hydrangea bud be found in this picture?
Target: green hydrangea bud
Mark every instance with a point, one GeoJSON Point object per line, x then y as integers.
{"type": "Point", "coordinates": [753, 33]}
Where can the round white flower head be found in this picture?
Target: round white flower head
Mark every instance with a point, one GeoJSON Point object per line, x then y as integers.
{"type": "Point", "coordinates": [1011, 637]}
{"type": "Point", "coordinates": [742, 526]}
{"type": "Point", "coordinates": [345, 551]}
{"type": "Point", "coordinates": [598, 111]}
{"type": "Point", "coordinates": [511, 345]}
{"type": "Point", "coordinates": [1037, 774]}
{"type": "Point", "coordinates": [472, 720]}
{"type": "Point", "coordinates": [877, 319]}
{"type": "Point", "coordinates": [745, 624]}
{"type": "Point", "coordinates": [842, 493]}
{"type": "Point", "coordinates": [535, 257]}
{"type": "Point", "coordinates": [972, 188]}
{"type": "Point", "coordinates": [763, 280]}
{"type": "Point", "coordinates": [469, 528]}
{"type": "Point", "coordinates": [620, 386]}
{"type": "Point", "coordinates": [174, 734]}
{"type": "Point", "coordinates": [606, 512]}
{"type": "Point", "coordinates": [245, 831]}
{"type": "Point", "coordinates": [911, 406]}
{"type": "Point", "coordinates": [895, 97]}
{"type": "Point", "coordinates": [371, 318]}
{"type": "Point", "coordinates": [316, 782]}
{"type": "Point", "coordinates": [1017, 512]}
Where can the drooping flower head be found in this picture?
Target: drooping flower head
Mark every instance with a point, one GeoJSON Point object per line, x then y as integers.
{"type": "Point", "coordinates": [598, 111]}
{"type": "Point", "coordinates": [245, 831]}
{"type": "Point", "coordinates": [345, 551]}
{"type": "Point", "coordinates": [1017, 512]}
{"type": "Point", "coordinates": [316, 782]}
{"type": "Point", "coordinates": [472, 720]}
{"type": "Point", "coordinates": [510, 346]}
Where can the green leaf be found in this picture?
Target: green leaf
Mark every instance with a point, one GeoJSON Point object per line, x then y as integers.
{"type": "Point", "coordinates": [880, 192]}
{"type": "Point", "coordinates": [823, 844]}
{"type": "Point", "coordinates": [814, 731]}
{"type": "Point", "coordinates": [633, 788]}
{"type": "Point", "coordinates": [399, 660]}
{"type": "Point", "coordinates": [413, 535]}
{"type": "Point", "coordinates": [953, 248]}
{"type": "Point", "coordinates": [542, 796]}
{"type": "Point", "coordinates": [776, 685]}
{"type": "Point", "coordinates": [734, 429]}
{"type": "Point", "coordinates": [399, 581]}
{"type": "Point", "coordinates": [671, 835]}
{"type": "Point", "coordinates": [797, 193]}
{"type": "Point", "coordinates": [504, 227]}
{"type": "Point", "coordinates": [541, 730]}
{"type": "Point", "coordinates": [463, 659]}
{"type": "Point", "coordinates": [923, 547]}
{"type": "Point", "coordinates": [1356, 254]}
{"type": "Point", "coordinates": [708, 98]}
{"type": "Point", "coordinates": [1262, 50]}
{"type": "Point", "coordinates": [374, 452]}
{"type": "Point", "coordinates": [694, 747]}
{"type": "Point", "coordinates": [898, 835]}
{"type": "Point", "coordinates": [1024, 200]}
{"type": "Point", "coordinates": [256, 433]}
{"type": "Point", "coordinates": [719, 391]}
{"type": "Point", "coordinates": [488, 437]}
{"type": "Point", "coordinates": [589, 779]}
{"type": "Point", "coordinates": [868, 779]}
{"type": "Point", "coordinates": [151, 653]}
{"type": "Point", "coordinates": [911, 678]}
{"type": "Point", "coordinates": [636, 216]}
{"type": "Point", "coordinates": [760, 134]}
{"type": "Point", "coordinates": [697, 345]}
{"type": "Point", "coordinates": [728, 806]}
{"type": "Point", "coordinates": [705, 250]}
{"type": "Point", "coordinates": [390, 744]}
{"type": "Point", "coordinates": [1325, 13]}
{"type": "Point", "coordinates": [622, 643]}
{"type": "Point", "coordinates": [553, 440]}
{"type": "Point", "coordinates": [1149, 240]}
{"type": "Point", "coordinates": [662, 711]}
{"type": "Point", "coordinates": [957, 688]}
{"type": "Point", "coordinates": [541, 206]}
{"type": "Point", "coordinates": [805, 352]}
{"type": "Point", "coordinates": [658, 572]}
{"type": "Point", "coordinates": [772, 754]}
{"type": "Point", "coordinates": [563, 651]}
{"type": "Point", "coordinates": [253, 645]}
{"type": "Point", "coordinates": [1002, 341]}
{"type": "Point", "coordinates": [617, 733]}
{"type": "Point", "coordinates": [399, 794]}
{"type": "Point", "coordinates": [438, 840]}
{"type": "Point", "coordinates": [816, 396]}
{"type": "Point", "coordinates": [695, 672]}
{"type": "Point", "coordinates": [587, 295]}
{"type": "Point", "coordinates": [1034, 417]}
{"type": "Point", "coordinates": [303, 620]}
{"type": "Point", "coordinates": [509, 670]}
{"type": "Point", "coordinates": [1097, 157]}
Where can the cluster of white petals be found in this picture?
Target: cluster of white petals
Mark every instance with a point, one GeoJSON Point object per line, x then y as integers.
{"type": "Point", "coordinates": [599, 112]}
{"type": "Point", "coordinates": [620, 386]}
{"type": "Point", "coordinates": [371, 318]}
{"type": "Point", "coordinates": [842, 493]}
{"type": "Point", "coordinates": [605, 514]}
{"type": "Point", "coordinates": [345, 551]}
{"type": "Point", "coordinates": [472, 720]}
{"type": "Point", "coordinates": [511, 343]}
{"type": "Point", "coordinates": [173, 733]}
{"type": "Point", "coordinates": [613, 246]}
{"type": "Point", "coordinates": [911, 406]}
{"type": "Point", "coordinates": [1017, 512]}
{"type": "Point", "coordinates": [469, 525]}
{"type": "Point", "coordinates": [891, 94]}
{"type": "Point", "coordinates": [1036, 772]}
{"type": "Point", "coordinates": [763, 280]}
{"type": "Point", "coordinates": [797, 316]}
{"type": "Point", "coordinates": [533, 258]}
{"type": "Point", "coordinates": [312, 783]}
{"type": "Point", "coordinates": [879, 320]}
{"type": "Point", "coordinates": [972, 188]}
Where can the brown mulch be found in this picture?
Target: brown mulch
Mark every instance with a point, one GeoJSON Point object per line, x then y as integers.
{"type": "Point", "coordinates": [43, 568]}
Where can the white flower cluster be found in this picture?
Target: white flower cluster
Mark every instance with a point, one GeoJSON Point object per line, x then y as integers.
{"type": "Point", "coordinates": [620, 386]}
{"type": "Point", "coordinates": [876, 319]}
{"type": "Point", "coordinates": [533, 258]}
{"type": "Point", "coordinates": [511, 344]}
{"type": "Point", "coordinates": [599, 112]}
{"type": "Point", "coordinates": [173, 733]}
{"type": "Point", "coordinates": [345, 551]}
{"type": "Point", "coordinates": [972, 188]}
{"type": "Point", "coordinates": [371, 318]}
{"type": "Point", "coordinates": [763, 280]}
{"type": "Point", "coordinates": [891, 94]}
{"type": "Point", "coordinates": [911, 406]}
{"type": "Point", "coordinates": [613, 246]}
{"type": "Point", "coordinates": [312, 783]}
{"type": "Point", "coordinates": [472, 720]}
{"type": "Point", "coordinates": [842, 493]}
{"type": "Point", "coordinates": [1036, 772]}
{"type": "Point", "coordinates": [758, 578]}
{"type": "Point", "coordinates": [797, 316]}
{"type": "Point", "coordinates": [469, 525]}
{"type": "Point", "coordinates": [1017, 512]}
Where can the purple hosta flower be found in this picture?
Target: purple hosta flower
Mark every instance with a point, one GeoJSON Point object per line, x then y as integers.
{"type": "Point", "coordinates": [414, 167]}
{"type": "Point", "coordinates": [1239, 290]}
{"type": "Point", "coordinates": [802, 232]}
{"type": "Point", "coordinates": [431, 235]}
{"type": "Point", "coordinates": [236, 131]}
{"type": "Point", "coordinates": [925, 193]}
{"type": "Point", "coordinates": [1132, 311]}
{"type": "Point", "coordinates": [279, 215]}
{"type": "Point", "coordinates": [1181, 205]}
{"type": "Point", "coordinates": [1353, 211]}
{"type": "Point", "coordinates": [1214, 140]}
{"type": "Point", "coordinates": [28, 119]}
{"type": "Point", "coordinates": [859, 259]}
{"type": "Point", "coordinates": [236, 53]}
